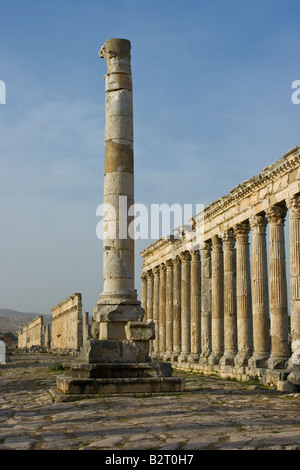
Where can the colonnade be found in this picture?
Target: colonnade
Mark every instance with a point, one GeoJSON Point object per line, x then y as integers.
{"type": "Point", "coordinates": [227, 303]}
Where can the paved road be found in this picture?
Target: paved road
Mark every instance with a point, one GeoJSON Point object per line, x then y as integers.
{"type": "Point", "coordinates": [211, 414]}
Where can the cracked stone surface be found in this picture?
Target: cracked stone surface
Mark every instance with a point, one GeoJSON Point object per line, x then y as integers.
{"type": "Point", "coordinates": [212, 413]}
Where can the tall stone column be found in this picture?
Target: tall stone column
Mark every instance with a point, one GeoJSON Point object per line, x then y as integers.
{"type": "Point", "coordinates": [86, 327]}
{"type": "Point", "coordinates": [278, 289]}
{"type": "Point", "coordinates": [217, 343]}
{"type": "Point", "coordinates": [162, 310]}
{"type": "Point", "coordinates": [260, 297]}
{"type": "Point", "coordinates": [294, 216]}
{"type": "Point", "coordinates": [230, 327]}
{"type": "Point", "coordinates": [156, 271]}
{"type": "Point", "coordinates": [243, 294]}
{"type": "Point", "coordinates": [206, 300]}
{"type": "Point", "coordinates": [116, 359]}
{"type": "Point", "coordinates": [195, 305]}
{"type": "Point", "coordinates": [185, 305]}
{"type": "Point", "coordinates": [176, 308]}
{"type": "Point", "coordinates": [118, 302]}
{"type": "Point", "coordinates": [169, 309]}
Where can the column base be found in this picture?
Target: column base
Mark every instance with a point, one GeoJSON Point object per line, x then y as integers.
{"type": "Point", "coordinates": [278, 361]}
{"type": "Point", "coordinates": [214, 359]}
{"type": "Point", "coordinates": [227, 359]}
{"type": "Point", "coordinates": [259, 360]}
{"type": "Point", "coordinates": [242, 359]}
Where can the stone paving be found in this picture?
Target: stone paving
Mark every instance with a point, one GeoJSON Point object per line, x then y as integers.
{"type": "Point", "coordinates": [212, 413]}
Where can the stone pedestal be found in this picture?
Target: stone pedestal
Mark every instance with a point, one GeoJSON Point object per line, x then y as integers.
{"type": "Point", "coordinates": [116, 359]}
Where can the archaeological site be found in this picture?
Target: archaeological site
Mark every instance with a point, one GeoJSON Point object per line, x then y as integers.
{"type": "Point", "coordinates": [221, 296]}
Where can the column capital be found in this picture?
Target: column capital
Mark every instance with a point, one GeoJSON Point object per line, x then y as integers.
{"type": "Point", "coordinates": [162, 267]}
{"type": "Point", "coordinates": [293, 205]}
{"type": "Point", "coordinates": [276, 214]}
{"type": "Point", "coordinates": [195, 254]}
{"type": "Point", "coordinates": [176, 261]}
{"type": "Point", "coordinates": [169, 263]}
{"type": "Point", "coordinates": [206, 246]}
{"type": "Point", "coordinates": [149, 274]}
{"type": "Point", "coordinates": [156, 270]}
{"type": "Point", "coordinates": [241, 232]}
{"type": "Point", "coordinates": [143, 275]}
{"type": "Point", "coordinates": [216, 243]}
{"type": "Point", "coordinates": [258, 224]}
{"type": "Point", "coordinates": [185, 257]}
{"type": "Point", "coordinates": [228, 239]}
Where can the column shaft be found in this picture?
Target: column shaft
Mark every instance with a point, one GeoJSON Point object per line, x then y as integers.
{"type": "Point", "coordinates": [162, 310]}
{"type": "Point", "coordinates": [169, 309]}
{"type": "Point", "coordinates": [230, 328]}
{"type": "Point", "coordinates": [294, 216]}
{"type": "Point", "coordinates": [243, 295]}
{"type": "Point", "coordinates": [217, 301]}
{"type": "Point", "coordinates": [195, 304]}
{"type": "Point", "coordinates": [278, 288]}
{"type": "Point", "coordinates": [156, 310]}
{"type": "Point", "coordinates": [260, 297]}
{"type": "Point", "coordinates": [176, 308]}
{"type": "Point", "coordinates": [206, 300]}
{"type": "Point", "coordinates": [185, 304]}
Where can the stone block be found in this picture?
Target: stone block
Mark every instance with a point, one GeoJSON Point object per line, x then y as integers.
{"type": "Point", "coordinates": [2, 353]}
{"type": "Point", "coordinates": [140, 330]}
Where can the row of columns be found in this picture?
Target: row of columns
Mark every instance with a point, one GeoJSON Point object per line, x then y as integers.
{"type": "Point", "coordinates": [223, 309]}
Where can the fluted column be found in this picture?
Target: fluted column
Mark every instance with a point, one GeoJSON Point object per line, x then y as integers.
{"type": "Point", "coordinates": [144, 293]}
{"type": "Point", "coordinates": [260, 297]}
{"type": "Point", "coordinates": [162, 310]}
{"type": "Point", "coordinates": [294, 216]}
{"type": "Point", "coordinates": [230, 328]}
{"type": "Point", "coordinates": [185, 305]}
{"type": "Point", "coordinates": [195, 305]}
{"type": "Point", "coordinates": [243, 295]}
{"type": "Point", "coordinates": [149, 305]}
{"type": "Point", "coordinates": [278, 288]}
{"type": "Point", "coordinates": [176, 308]}
{"type": "Point", "coordinates": [217, 301]}
{"type": "Point", "coordinates": [169, 309]}
{"type": "Point", "coordinates": [156, 309]}
{"type": "Point", "coordinates": [206, 301]}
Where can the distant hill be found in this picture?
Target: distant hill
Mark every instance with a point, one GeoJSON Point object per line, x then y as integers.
{"type": "Point", "coordinates": [12, 320]}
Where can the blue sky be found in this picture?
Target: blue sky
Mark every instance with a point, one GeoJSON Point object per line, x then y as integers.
{"type": "Point", "coordinates": [212, 107]}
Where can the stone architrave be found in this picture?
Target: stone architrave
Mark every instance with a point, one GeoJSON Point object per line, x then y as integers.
{"type": "Point", "coordinates": [195, 305]}
{"type": "Point", "coordinates": [206, 300]}
{"type": "Point", "coordinates": [243, 294]}
{"type": "Point", "coordinates": [217, 325]}
{"type": "Point", "coordinates": [293, 204]}
{"type": "Point", "coordinates": [260, 293]}
{"type": "Point", "coordinates": [278, 289]}
{"type": "Point", "coordinates": [2, 352]}
{"type": "Point", "coordinates": [117, 359]}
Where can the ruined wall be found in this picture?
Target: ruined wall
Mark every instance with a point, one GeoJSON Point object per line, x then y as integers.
{"type": "Point", "coordinates": [35, 333]}
{"type": "Point", "coordinates": [66, 331]}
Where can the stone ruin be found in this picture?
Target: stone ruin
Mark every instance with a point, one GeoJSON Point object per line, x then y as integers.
{"type": "Point", "coordinates": [116, 359]}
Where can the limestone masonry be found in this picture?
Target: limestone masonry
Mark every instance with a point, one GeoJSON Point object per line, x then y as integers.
{"type": "Point", "coordinates": [222, 305]}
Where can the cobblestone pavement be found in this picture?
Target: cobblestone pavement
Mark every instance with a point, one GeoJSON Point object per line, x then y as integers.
{"type": "Point", "coordinates": [212, 414]}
